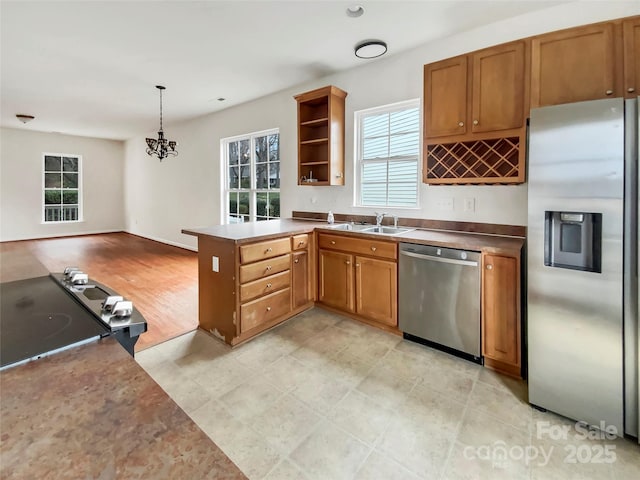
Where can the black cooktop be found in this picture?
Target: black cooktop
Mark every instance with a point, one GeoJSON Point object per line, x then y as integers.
{"type": "Point", "coordinates": [38, 317]}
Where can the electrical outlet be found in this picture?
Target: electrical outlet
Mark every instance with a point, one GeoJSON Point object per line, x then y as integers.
{"type": "Point", "coordinates": [470, 204]}
{"type": "Point", "coordinates": [215, 264]}
{"type": "Point", "coordinates": [445, 204]}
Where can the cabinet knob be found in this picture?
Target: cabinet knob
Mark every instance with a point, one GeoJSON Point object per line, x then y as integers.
{"type": "Point", "coordinates": [296, 260]}
{"type": "Point", "coordinates": [461, 124]}
{"type": "Point", "coordinates": [631, 89]}
{"type": "Point", "coordinates": [357, 264]}
{"type": "Point", "coordinates": [373, 249]}
{"type": "Point", "coordinates": [348, 262]}
{"type": "Point", "coordinates": [268, 285]}
{"type": "Point", "coordinates": [475, 122]}
{"type": "Point", "coordinates": [268, 309]}
{"type": "Point", "coordinates": [268, 250]}
{"type": "Point", "coordinates": [268, 267]}
{"type": "Point", "coordinates": [609, 92]}
{"type": "Point", "coordinates": [333, 242]}
{"type": "Point", "coordinates": [489, 267]}
{"type": "Point", "coordinates": [301, 242]}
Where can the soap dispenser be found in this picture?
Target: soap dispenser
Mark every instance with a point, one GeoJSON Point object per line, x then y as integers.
{"type": "Point", "coordinates": [330, 218]}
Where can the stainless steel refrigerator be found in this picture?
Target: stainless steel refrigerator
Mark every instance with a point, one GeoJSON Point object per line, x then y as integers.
{"type": "Point", "coordinates": [582, 262]}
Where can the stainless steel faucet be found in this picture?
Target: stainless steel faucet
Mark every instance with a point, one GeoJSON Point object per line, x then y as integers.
{"type": "Point", "coordinates": [379, 217]}
{"type": "Point", "coordinates": [395, 221]}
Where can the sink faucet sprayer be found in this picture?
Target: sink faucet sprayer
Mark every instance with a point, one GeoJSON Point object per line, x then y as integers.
{"type": "Point", "coordinates": [330, 218]}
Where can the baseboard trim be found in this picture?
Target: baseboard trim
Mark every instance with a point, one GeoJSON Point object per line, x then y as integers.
{"type": "Point", "coordinates": [61, 235]}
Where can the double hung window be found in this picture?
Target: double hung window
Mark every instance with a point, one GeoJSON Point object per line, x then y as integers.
{"type": "Point", "coordinates": [252, 166]}
{"type": "Point", "coordinates": [61, 188]}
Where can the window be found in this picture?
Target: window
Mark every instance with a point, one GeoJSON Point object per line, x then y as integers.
{"type": "Point", "coordinates": [252, 166]}
{"type": "Point", "coordinates": [61, 193]}
{"type": "Point", "coordinates": [387, 155]}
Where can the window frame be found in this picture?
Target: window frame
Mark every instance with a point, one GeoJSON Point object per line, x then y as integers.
{"type": "Point", "coordinates": [252, 190]}
{"type": "Point", "coordinates": [359, 147]}
{"type": "Point", "coordinates": [43, 205]}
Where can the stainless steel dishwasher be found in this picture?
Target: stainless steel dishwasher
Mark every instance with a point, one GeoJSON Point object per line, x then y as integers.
{"type": "Point", "coordinates": [439, 298]}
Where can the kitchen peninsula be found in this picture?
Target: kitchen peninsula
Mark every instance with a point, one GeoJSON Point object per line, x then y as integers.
{"type": "Point", "coordinates": [253, 276]}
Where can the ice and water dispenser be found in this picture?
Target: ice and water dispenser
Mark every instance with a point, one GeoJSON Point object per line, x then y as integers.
{"type": "Point", "coordinates": [573, 240]}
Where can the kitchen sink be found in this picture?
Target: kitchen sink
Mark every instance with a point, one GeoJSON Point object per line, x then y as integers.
{"type": "Point", "coordinates": [350, 227]}
{"type": "Point", "coordinates": [387, 230]}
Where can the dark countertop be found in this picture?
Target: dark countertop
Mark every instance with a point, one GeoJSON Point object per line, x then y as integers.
{"type": "Point", "coordinates": [93, 412]}
{"type": "Point", "coordinates": [256, 231]}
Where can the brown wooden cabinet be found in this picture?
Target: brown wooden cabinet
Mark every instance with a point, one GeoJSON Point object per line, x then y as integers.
{"type": "Point", "coordinates": [321, 136]}
{"type": "Point", "coordinates": [247, 288]}
{"type": "Point", "coordinates": [377, 290]}
{"type": "Point", "coordinates": [574, 65]}
{"type": "Point", "coordinates": [445, 97]}
{"type": "Point", "coordinates": [359, 276]}
{"type": "Point", "coordinates": [631, 41]}
{"type": "Point", "coordinates": [501, 335]}
{"type": "Point", "coordinates": [474, 116]}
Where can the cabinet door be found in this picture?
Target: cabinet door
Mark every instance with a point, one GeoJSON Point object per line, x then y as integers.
{"type": "Point", "coordinates": [377, 290]}
{"type": "Point", "coordinates": [501, 319]}
{"type": "Point", "coordinates": [498, 88]}
{"type": "Point", "coordinates": [336, 279]}
{"type": "Point", "coordinates": [445, 97]}
{"type": "Point", "coordinates": [631, 32]}
{"type": "Point", "coordinates": [300, 278]}
{"type": "Point", "coordinates": [573, 65]}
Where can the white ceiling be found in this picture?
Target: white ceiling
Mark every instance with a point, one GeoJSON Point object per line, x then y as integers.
{"type": "Point", "coordinates": [89, 68]}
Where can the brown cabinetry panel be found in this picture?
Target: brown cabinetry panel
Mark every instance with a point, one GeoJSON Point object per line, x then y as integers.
{"type": "Point", "coordinates": [335, 272]}
{"type": "Point", "coordinates": [573, 65]}
{"type": "Point", "coordinates": [377, 290]}
{"type": "Point", "coordinates": [264, 286]}
{"type": "Point", "coordinates": [300, 242]}
{"type": "Point", "coordinates": [372, 248]}
{"type": "Point", "coordinates": [300, 279]}
{"type": "Point", "coordinates": [498, 101]}
{"type": "Point", "coordinates": [264, 268]}
{"type": "Point", "coordinates": [264, 309]}
{"type": "Point", "coordinates": [631, 36]}
{"type": "Point", "coordinates": [501, 312]}
{"type": "Point", "coordinates": [262, 250]}
{"type": "Point", "coordinates": [445, 97]}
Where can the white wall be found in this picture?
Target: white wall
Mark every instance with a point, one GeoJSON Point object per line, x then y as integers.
{"type": "Point", "coordinates": [21, 184]}
{"type": "Point", "coordinates": [162, 198]}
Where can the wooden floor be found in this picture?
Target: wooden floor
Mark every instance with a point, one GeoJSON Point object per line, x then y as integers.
{"type": "Point", "coordinates": [161, 280]}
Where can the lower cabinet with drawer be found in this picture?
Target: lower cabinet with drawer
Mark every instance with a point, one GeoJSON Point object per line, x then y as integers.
{"type": "Point", "coordinates": [359, 276]}
{"type": "Point", "coordinates": [247, 288]}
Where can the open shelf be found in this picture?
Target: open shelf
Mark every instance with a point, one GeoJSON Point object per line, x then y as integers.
{"type": "Point", "coordinates": [321, 136]}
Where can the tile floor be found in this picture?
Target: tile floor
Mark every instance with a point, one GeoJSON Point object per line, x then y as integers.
{"type": "Point", "coordinates": [325, 397]}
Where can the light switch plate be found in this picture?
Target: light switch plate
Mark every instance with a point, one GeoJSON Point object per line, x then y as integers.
{"type": "Point", "coordinates": [215, 264]}
{"type": "Point", "coordinates": [470, 204]}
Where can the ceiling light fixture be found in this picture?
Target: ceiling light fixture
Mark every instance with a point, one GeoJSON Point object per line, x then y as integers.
{"type": "Point", "coordinates": [161, 147]}
{"type": "Point", "coordinates": [371, 49]}
{"type": "Point", "coordinates": [24, 118]}
{"type": "Point", "coordinates": [355, 11]}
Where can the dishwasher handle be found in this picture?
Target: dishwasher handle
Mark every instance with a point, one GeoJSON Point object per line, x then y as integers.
{"type": "Point", "coordinates": [469, 263]}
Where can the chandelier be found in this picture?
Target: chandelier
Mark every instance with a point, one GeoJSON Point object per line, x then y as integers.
{"type": "Point", "coordinates": [161, 147]}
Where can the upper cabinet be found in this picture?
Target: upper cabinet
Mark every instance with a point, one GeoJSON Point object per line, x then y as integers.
{"type": "Point", "coordinates": [574, 65]}
{"type": "Point", "coordinates": [474, 116]}
{"type": "Point", "coordinates": [498, 99]}
{"type": "Point", "coordinates": [321, 136]}
{"type": "Point", "coordinates": [631, 41]}
{"type": "Point", "coordinates": [496, 77]}
{"type": "Point", "coordinates": [445, 97]}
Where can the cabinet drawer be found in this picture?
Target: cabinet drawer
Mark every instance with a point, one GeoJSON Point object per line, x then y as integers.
{"type": "Point", "coordinates": [262, 250]}
{"type": "Point", "coordinates": [300, 242]}
{"type": "Point", "coordinates": [264, 286]}
{"type": "Point", "coordinates": [265, 267]}
{"type": "Point", "coordinates": [373, 248]}
{"type": "Point", "coordinates": [264, 309]}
